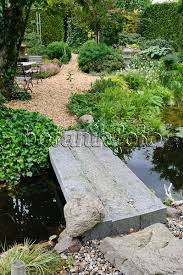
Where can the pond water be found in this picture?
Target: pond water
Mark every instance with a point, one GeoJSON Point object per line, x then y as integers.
{"type": "Point", "coordinates": [160, 166]}
{"type": "Point", "coordinates": [34, 211]}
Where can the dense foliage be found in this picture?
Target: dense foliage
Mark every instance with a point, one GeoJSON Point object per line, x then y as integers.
{"type": "Point", "coordinates": [133, 4]}
{"type": "Point", "coordinates": [59, 50]}
{"type": "Point", "coordinates": [128, 106]}
{"type": "Point", "coordinates": [93, 14]}
{"type": "Point", "coordinates": [126, 38]}
{"type": "Point", "coordinates": [33, 43]}
{"type": "Point", "coordinates": [99, 57]}
{"type": "Point", "coordinates": [76, 36]}
{"type": "Point", "coordinates": [163, 20]}
{"type": "Point", "coordinates": [24, 141]}
{"type": "Point", "coordinates": [110, 31]}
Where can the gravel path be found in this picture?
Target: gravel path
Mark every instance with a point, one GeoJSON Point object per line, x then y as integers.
{"type": "Point", "coordinates": [89, 261]}
{"type": "Point", "coordinates": [50, 97]}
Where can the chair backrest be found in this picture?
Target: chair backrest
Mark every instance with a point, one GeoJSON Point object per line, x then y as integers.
{"type": "Point", "coordinates": [35, 58]}
{"type": "Point", "coordinates": [20, 70]}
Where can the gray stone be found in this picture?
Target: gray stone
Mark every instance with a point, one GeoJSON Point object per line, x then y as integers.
{"type": "Point", "coordinates": [173, 212]}
{"type": "Point", "coordinates": [177, 203]}
{"type": "Point", "coordinates": [151, 251]}
{"type": "Point", "coordinates": [67, 244]}
{"type": "Point", "coordinates": [82, 214]}
{"type": "Point", "coordinates": [86, 119]}
{"type": "Point", "coordinates": [90, 168]}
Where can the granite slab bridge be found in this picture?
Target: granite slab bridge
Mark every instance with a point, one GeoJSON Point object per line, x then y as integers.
{"type": "Point", "coordinates": [84, 165]}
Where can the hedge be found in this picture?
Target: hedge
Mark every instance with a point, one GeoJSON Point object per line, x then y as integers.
{"type": "Point", "coordinates": [163, 21]}
{"type": "Point", "coordinates": [52, 26]}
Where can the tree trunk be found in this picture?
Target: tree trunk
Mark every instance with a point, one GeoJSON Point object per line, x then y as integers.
{"type": "Point", "coordinates": [12, 30]}
{"type": "Point", "coordinates": [97, 35]}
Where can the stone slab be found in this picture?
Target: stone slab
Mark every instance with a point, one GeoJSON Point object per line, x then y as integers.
{"type": "Point", "coordinates": [83, 165]}
{"type": "Point", "coordinates": [152, 251]}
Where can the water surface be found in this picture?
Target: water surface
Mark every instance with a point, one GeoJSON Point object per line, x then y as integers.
{"type": "Point", "coordinates": [34, 210]}
{"type": "Point", "coordinates": [160, 166]}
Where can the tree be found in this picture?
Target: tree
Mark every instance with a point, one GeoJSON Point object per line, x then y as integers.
{"type": "Point", "coordinates": [14, 15]}
{"type": "Point", "coordinates": [93, 14]}
{"type": "Point", "coordinates": [13, 18]}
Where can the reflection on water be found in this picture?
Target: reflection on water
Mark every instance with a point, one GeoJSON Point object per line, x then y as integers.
{"type": "Point", "coordinates": [34, 211]}
{"type": "Point", "coordinates": [159, 165]}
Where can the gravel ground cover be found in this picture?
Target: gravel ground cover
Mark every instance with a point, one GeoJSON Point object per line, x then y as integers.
{"type": "Point", "coordinates": [50, 97]}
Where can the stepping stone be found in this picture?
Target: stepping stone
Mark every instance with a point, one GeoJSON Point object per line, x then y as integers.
{"type": "Point", "coordinates": [84, 166]}
{"type": "Point", "coordinates": [152, 251]}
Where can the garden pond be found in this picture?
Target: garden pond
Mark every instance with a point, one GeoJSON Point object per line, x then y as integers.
{"type": "Point", "coordinates": [35, 210]}
{"type": "Point", "coordinates": [160, 165]}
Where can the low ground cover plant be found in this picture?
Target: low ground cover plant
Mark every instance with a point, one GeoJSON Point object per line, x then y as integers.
{"type": "Point", "coordinates": [24, 141]}
{"type": "Point", "coordinates": [95, 57]}
{"type": "Point", "coordinates": [60, 51]}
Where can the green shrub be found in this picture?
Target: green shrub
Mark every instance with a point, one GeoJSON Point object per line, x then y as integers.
{"type": "Point", "coordinates": [180, 56]}
{"type": "Point", "coordinates": [59, 50]}
{"type": "Point", "coordinates": [169, 63]}
{"type": "Point", "coordinates": [100, 85]}
{"type": "Point", "coordinates": [163, 21]}
{"type": "Point", "coordinates": [24, 141]}
{"type": "Point", "coordinates": [135, 80]}
{"type": "Point", "coordinates": [128, 38]}
{"type": "Point", "coordinates": [36, 257]}
{"type": "Point", "coordinates": [21, 95]}
{"type": "Point", "coordinates": [99, 57]}
{"type": "Point", "coordinates": [32, 40]}
{"type": "Point", "coordinates": [2, 99]}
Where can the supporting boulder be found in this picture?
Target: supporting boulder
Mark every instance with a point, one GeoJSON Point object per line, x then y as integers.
{"type": "Point", "coordinates": [82, 214]}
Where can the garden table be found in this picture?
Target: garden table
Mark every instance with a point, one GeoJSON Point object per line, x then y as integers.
{"type": "Point", "coordinates": [28, 63]}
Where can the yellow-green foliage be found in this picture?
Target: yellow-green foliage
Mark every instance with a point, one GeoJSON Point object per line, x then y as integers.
{"type": "Point", "coordinates": [130, 22]}
{"type": "Point", "coordinates": [118, 81]}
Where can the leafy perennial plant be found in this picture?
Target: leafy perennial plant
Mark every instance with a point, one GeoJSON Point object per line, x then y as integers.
{"type": "Point", "coordinates": [24, 141]}
{"type": "Point", "coordinates": [126, 107]}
